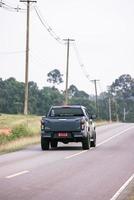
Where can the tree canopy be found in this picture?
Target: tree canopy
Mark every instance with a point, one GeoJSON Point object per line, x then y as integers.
{"type": "Point", "coordinates": [55, 77]}
{"type": "Point", "coordinates": [120, 93]}
{"type": "Point", "coordinates": [123, 87]}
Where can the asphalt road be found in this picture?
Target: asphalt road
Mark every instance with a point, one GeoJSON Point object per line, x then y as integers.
{"type": "Point", "coordinates": [68, 172]}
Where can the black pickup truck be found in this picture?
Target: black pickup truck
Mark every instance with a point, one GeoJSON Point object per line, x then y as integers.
{"type": "Point", "coordinates": [67, 124]}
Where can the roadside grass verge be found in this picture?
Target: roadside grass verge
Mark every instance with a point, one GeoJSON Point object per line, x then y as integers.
{"type": "Point", "coordinates": [18, 144]}
{"type": "Point", "coordinates": [10, 121]}
{"type": "Point", "coordinates": [18, 131]}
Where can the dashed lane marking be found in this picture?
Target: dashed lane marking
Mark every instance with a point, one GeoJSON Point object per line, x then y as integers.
{"type": "Point", "coordinates": [76, 154]}
{"type": "Point", "coordinates": [17, 174]}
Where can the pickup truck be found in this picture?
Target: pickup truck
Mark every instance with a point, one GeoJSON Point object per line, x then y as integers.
{"type": "Point", "coordinates": [71, 123]}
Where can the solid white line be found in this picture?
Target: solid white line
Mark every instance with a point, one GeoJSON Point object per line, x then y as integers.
{"type": "Point", "coordinates": [105, 141]}
{"type": "Point", "coordinates": [114, 136]}
{"type": "Point", "coordinates": [117, 194]}
{"type": "Point", "coordinates": [17, 174]}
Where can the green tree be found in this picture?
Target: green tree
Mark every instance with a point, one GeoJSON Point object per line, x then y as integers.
{"type": "Point", "coordinates": [33, 97]}
{"type": "Point", "coordinates": [2, 95]}
{"type": "Point", "coordinates": [122, 95]}
{"type": "Point", "coordinates": [48, 97]}
{"type": "Point", "coordinates": [123, 87]}
{"type": "Point", "coordinates": [55, 77]}
{"type": "Point", "coordinates": [79, 97]}
{"type": "Point", "coordinates": [74, 92]}
{"type": "Point", "coordinates": [12, 93]}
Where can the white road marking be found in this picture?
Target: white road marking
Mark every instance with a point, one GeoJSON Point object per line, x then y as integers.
{"type": "Point", "coordinates": [117, 194]}
{"type": "Point", "coordinates": [76, 154]}
{"type": "Point", "coordinates": [105, 141]}
{"type": "Point", "coordinates": [122, 132]}
{"type": "Point", "coordinates": [17, 174]}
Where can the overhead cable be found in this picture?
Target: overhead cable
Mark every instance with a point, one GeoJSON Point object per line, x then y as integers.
{"type": "Point", "coordinates": [80, 62]}
{"type": "Point", "coordinates": [47, 27]}
{"type": "Point", "coordinates": [11, 52]}
{"type": "Point", "coordinates": [8, 7]}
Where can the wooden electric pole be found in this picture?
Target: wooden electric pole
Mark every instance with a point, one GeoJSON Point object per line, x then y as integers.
{"type": "Point", "coordinates": [109, 107]}
{"type": "Point", "coordinates": [67, 70]}
{"type": "Point", "coordinates": [96, 97]}
{"type": "Point", "coordinates": [27, 55]}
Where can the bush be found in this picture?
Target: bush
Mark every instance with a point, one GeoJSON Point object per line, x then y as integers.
{"type": "Point", "coordinates": [20, 131]}
{"type": "Point", "coordinates": [3, 139]}
{"type": "Point", "coordinates": [17, 132]}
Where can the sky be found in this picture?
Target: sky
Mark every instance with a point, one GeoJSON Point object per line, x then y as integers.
{"type": "Point", "coordinates": [103, 32]}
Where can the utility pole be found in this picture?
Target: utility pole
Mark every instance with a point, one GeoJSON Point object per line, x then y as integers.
{"type": "Point", "coordinates": [110, 113]}
{"type": "Point", "coordinates": [124, 114]}
{"type": "Point", "coordinates": [67, 69]}
{"type": "Point", "coordinates": [116, 110]}
{"type": "Point", "coordinates": [96, 96]}
{"type": "Point", "coordinates": [27, 55]}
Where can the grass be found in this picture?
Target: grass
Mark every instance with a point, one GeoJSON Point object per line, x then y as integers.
{"type": "Point", "coordinates": [10, 121]}
{"type": "Point", "coordinates": [24, 131]}
{"type": "Point", "coordinates": [101, 123]}
{"type": "Point", "coordinates": [19, 144]}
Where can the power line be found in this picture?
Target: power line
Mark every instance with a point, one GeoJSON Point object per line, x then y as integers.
{"type": "Point", "coordinates": [47, 27]}
{"type": "Point", "coordinates": [80, 62]}
{"type": "Point", "coordinates": [11, 52]}
{"type": "Point", "coordinates": [1, 3]}
{"type": "Point", "coordinates": [58, 39]}
{"type": "Point", "coordinates": [10, 8]}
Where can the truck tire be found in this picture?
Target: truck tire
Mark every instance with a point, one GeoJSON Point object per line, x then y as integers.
{"type": "Point", "coordinates": [93, 143]}
{"type": "Point", "coordinates": [54, 143]}
{"type": "Point", "coordinates": [86, 143]}
{"type": "Point", "coordinates": [44, 144]}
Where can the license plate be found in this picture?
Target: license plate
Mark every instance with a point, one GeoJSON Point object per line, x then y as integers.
{"type": "Point", "coordinates": [62, 134]}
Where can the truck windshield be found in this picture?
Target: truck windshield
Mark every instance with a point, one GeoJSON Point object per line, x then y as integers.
{"type": "Point", "coordinates": [59, 112]}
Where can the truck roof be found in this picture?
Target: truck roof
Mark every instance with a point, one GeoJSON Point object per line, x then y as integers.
{"type": "Point", "coordinates": [62, 110]}
{"type": "Point", "coordinates": [68, 106]}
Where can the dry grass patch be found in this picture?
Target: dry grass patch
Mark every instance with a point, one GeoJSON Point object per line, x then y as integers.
{"type": "Point", "coordinates": [19, 144]}
{"type": "Point", "coordinates": [101, 123]}
{"type": "Point", "coordinates": [5, 131]}
{"type": "Point", "coordinates": [17, 131]}
{"type": "Point", "coordinates": [10, 121]}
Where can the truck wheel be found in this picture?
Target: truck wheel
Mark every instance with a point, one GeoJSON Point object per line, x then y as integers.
{"type": "Point", "coordinates": [93, 143]}
{"type": "Point", "coordinates": [44, 144]}
{"type": "Point", "coordinates": [54, 143]}
{"type": "Point", "coordinates": [86, 143]}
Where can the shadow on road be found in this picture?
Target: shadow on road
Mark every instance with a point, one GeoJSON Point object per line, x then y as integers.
{"type": "Point", "coordinates": [60, 148]}
{"type": "Point", "coordinates": [66, 148]}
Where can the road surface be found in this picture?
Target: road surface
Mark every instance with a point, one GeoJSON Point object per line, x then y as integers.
{"type": "Point", "coordinates": [68, 172]}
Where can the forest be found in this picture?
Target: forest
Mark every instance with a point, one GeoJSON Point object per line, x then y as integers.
{"type": "Point", "coordinates": [116, 104]}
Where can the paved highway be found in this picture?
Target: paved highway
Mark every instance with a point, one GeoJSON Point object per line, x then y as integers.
{"type": "Point", "coordinates": [68, 172]}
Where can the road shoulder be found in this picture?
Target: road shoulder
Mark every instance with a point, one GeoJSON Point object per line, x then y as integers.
{"type": "Point", "coordinates": [128, 193]}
